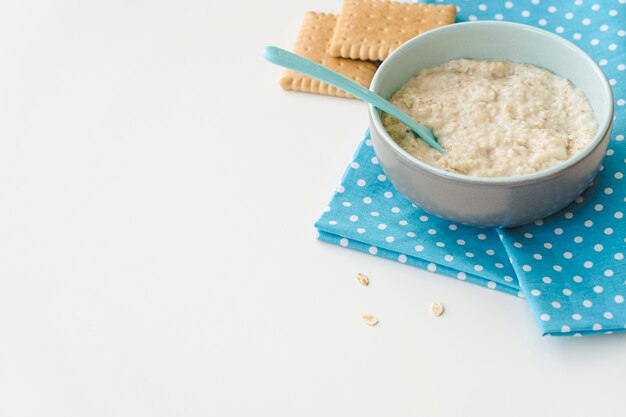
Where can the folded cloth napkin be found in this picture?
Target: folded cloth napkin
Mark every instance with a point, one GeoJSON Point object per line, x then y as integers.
{"type": "Point", "coordinates": [570, 266]}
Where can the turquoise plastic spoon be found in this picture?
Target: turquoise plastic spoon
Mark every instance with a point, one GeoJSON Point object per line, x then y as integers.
{"type": "Point", "coordinates": [297, 63]}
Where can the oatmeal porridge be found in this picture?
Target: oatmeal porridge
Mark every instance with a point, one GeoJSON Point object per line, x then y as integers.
{"type": "Point", "coordinates": [495, 118]}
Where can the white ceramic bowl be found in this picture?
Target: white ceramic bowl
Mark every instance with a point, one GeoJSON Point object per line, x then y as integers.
{"type": "Point", "coordinates": [502, 201]}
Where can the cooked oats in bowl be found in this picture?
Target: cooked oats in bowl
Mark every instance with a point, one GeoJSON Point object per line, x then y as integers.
{"type": "Point", "coordinates": [524, 114]}
{"type": "Point", "coordinates": [495, 118]}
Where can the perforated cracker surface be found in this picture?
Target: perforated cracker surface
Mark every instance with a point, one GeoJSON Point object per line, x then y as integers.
{"type": "Point", "coordinates": [372, 29]}
{"type": "Point", "coordinates": [312, 42]}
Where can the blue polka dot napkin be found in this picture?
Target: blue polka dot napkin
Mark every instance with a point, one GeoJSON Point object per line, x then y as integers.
{"type": "Point", "coordinates": [570, 266]}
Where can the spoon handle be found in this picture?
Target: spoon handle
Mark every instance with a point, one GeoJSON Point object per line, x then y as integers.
{"type": "Point", "coordinates": [297, 63]}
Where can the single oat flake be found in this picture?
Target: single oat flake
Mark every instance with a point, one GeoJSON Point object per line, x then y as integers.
{"type": "Point", "coordinates": [363, 279]}
{"type": "Point", "coordinates": [369, 320]}
{"type": "Point", "coordinates": [436, 309]}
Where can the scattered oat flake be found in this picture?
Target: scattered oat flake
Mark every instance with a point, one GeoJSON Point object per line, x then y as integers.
{"type": "Point", "coordinates": [369, 320]}
{"type": "Point", "coordinates": [363, 279]}
{"type": "Point", "coordinates": [436, 309]}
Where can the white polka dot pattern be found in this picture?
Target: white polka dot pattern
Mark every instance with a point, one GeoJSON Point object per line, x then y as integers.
{"type": "Point", "coordinates": [378, 216]}
{"type": "Point", "coordinates": [570, 266]}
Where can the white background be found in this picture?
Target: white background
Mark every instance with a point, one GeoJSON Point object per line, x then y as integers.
{"type": "Point", "coordinates": [157, 253]}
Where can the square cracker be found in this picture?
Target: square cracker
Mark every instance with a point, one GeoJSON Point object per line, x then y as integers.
{"type": "Point", "coordinates": [312, 43]}
{"type": "Point", "coordinates": [372, 29]}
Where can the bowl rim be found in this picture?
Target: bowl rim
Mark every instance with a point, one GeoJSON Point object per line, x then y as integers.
{"type": "Point", "coordinates": [603, 125]}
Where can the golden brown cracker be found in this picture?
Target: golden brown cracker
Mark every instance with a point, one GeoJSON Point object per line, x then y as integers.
{"type": "Point", "coordinates": [372, 29]}
{"type": "Point", "coordinates": [312, 42]}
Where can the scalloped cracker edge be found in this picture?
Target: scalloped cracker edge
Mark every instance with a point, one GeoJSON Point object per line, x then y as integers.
{"type": "Point", "coordinates": [312, 42]}
{"type": "Point", "coordinates": [372, 29]}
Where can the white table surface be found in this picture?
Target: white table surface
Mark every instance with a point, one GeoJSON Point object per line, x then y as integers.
{"type": "Point", "coordinates": [157, 250]}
